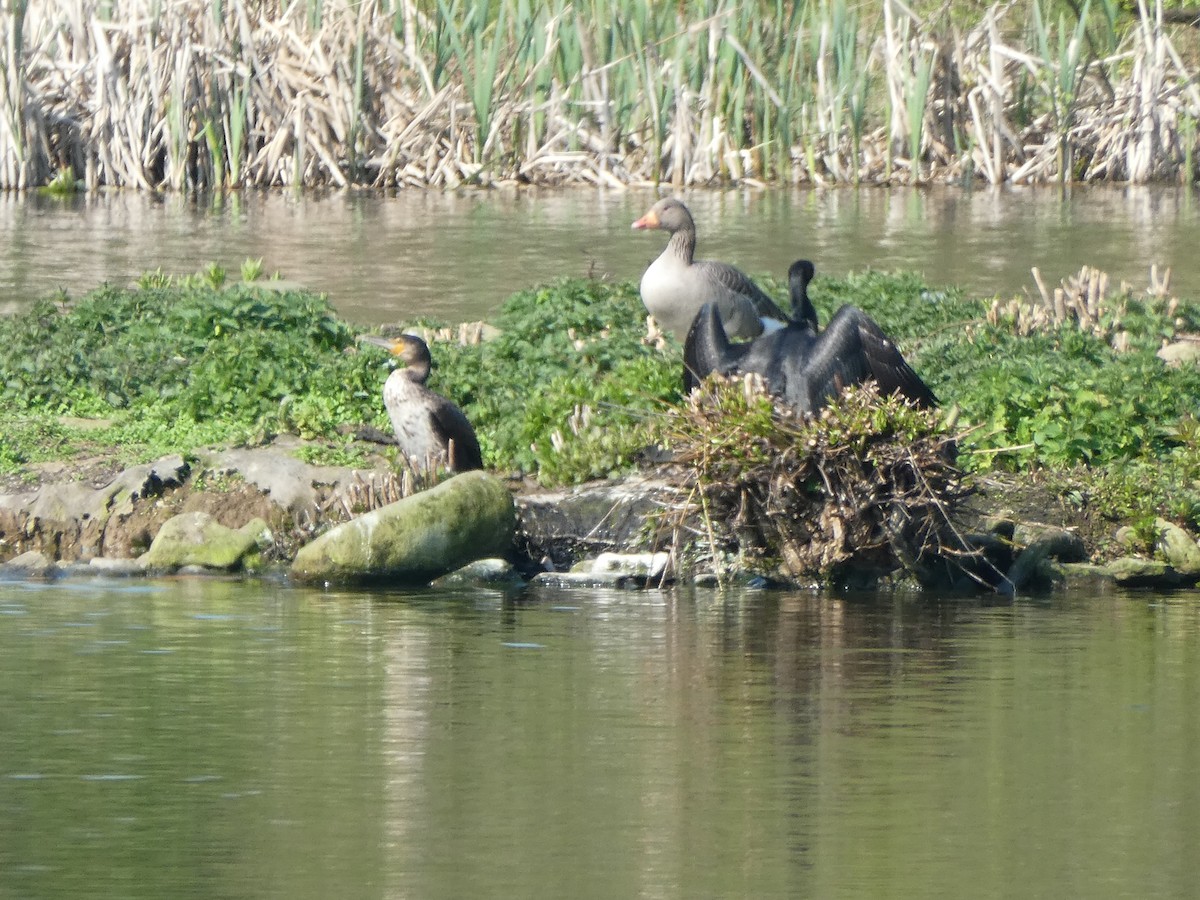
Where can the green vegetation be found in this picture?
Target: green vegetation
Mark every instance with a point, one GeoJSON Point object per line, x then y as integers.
{"type": "Point", "coordinates": [570, 390]}
{"type": "Point", "coordinates": [445, 92]}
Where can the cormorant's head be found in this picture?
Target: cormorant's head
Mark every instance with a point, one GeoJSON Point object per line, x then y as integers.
{"type": "Point", "coordinates": [408, 348]}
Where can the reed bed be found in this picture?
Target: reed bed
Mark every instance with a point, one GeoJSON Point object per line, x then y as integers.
{"type": "Point", "coordinates": [201, 95]}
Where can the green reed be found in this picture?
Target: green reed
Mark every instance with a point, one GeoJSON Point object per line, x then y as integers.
{"type": "Point", "coordinates": [372, 91]}
{"type": "Point", "coordinates": [1065, 66]}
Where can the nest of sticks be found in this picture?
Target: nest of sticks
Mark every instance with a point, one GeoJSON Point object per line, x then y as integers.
{"type": "Point", "coordinates": [866, 488]}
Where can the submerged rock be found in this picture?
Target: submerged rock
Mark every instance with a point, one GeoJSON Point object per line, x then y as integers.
{"type": "Point", "coordinates": [468, 517]}
{"type": "Point", "coordinates": [198, 539]}
{"type": "Point", "coordinates": [562, 527]}
{"type": "Point", "coordinates": [30, 564]}
{"type": "Point", "coordinates": [487, 573]}
{"type": "Point", "coordinates": [1131, 571]}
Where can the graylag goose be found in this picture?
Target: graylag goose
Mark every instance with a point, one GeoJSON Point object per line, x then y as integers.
{"type": "Point", "coordinates": [676, 285]}
{"type": "Point", "coordinates": [803, 367]}
{"type": "Point", "coordinates": [430, 430]}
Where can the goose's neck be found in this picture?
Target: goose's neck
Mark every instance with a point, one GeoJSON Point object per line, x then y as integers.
{"type": "Point", "coordinates": [683, 244]}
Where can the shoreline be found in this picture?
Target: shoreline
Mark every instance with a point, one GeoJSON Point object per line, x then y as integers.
{"type": "Point", "coordinates": [585, 535]}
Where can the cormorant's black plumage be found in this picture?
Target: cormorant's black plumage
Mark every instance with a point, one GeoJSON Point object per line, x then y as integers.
{"type": "Point", "coordinates": [803, 366]}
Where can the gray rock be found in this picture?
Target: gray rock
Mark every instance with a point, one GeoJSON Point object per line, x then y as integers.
{"type": "Point", "coordinates": [651, 566]}
{"type": "Point", "coordinates": [290, 482]}
{"type": "Point", "coordinates": [1131, 571]}
{"type": "Point", "coordinates": [1127, 537]}
{"type": "Point", "coordinates": [198, 539]}
{"type": "Point", "coordinates": [1179, 353]}
{"type": "Point", "coordinates": [29, 565]}
{"type": "Point", "coordinates": [588, 580]}
{"type": "Point", "coordinates": [487, 573]}
{"type": "Point", "coordinates": [566, 526]}
{"type": "Point", "coordinates": [118, 567]}
{"type": "Point", "coordinates": [1079, 576]}
{"type": "Point", "coordinates": [1177, 547]}
{"type": "Point", "coordinates": [468, 517]}
{"type": "Point", "coordinates": [1051, 541]}
{"type": "Point", "coordinates": [260, 532]}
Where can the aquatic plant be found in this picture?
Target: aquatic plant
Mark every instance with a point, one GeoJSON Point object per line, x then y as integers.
{"type": "Point", "coordinates": [394, 92]}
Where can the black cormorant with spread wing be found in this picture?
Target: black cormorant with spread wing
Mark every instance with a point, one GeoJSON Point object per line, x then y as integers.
{"type": "Point", "coordinates": [429, 428]}
{"type": "Point", "coordinates": [799, 364]}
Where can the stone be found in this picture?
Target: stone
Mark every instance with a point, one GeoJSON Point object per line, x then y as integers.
{"type": "Point", "coordinates": [562, 527]}
{"type": "Point", "coordinates": [423, 536]}
{"type": "Point", "coordinates": [1080, 576]}
{"type": "Point", "coordinates": [198, 539]}
{"type": "Point", "coordinates": [258, 530]}
{"type": "Point", "coordinates": [651, 566]}
{"type": "Point", "coordinates": [116, 566]}
{"type": "Point", "coordinates": [486, 573]}
{"type": "Point", "coordinates": [1127, 538]}
{"type": "Point", "coordinates": [1051, 541]}
{"type": "Point", "coordinates": [1132, 571]}
{"type": "Point", "coordinates": [1179, 353]}
{"type": "Point", "coordinates": [30, 564]}
{"type": "Point", "coordinates": [588, 580]}
{"type": "Point", "coordinates": [1177, 547]}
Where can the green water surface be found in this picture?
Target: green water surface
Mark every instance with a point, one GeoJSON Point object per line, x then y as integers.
{"type": "Point", "coordinates": [212, 739]}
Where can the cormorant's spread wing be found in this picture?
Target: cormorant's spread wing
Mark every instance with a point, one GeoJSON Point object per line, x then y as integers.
{"type": "Point", "coordinates": [854, 348]}
{"type": "Point", "coordinates": [708, 349]}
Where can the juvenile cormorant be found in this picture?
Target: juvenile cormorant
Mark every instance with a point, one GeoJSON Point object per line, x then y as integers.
{"type": "Point", "coordinates": [800, 365]}
{"type": "Point", "coordinates": [676, 285]}
{"type": "Point", "coordinates": [429, 428]}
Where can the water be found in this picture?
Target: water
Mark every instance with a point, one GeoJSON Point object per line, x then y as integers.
{"type": "Point", "coordinates": [458, 256]}
{"type": "Point", "coordinates": [199, 738]}
{"type": "Point", "coordinates": [227, 739]}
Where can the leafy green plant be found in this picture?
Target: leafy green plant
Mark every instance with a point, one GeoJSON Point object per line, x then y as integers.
{"type": "Point", "coordinates": [570, 389]}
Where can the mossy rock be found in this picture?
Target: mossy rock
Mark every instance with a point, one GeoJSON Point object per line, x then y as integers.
{"type": "Point", "coordinates": [198, 539]}
{"type": "Point", "coordinates": [471, 516]}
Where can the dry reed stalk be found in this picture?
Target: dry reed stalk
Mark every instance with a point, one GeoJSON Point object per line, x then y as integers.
{"type": "Point", "coordinates": [169, 94]}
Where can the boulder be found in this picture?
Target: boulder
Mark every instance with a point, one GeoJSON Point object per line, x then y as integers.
{"type": "Point", "coordinates": [198, 539]}
{"type": "Point", "coordinates": [468, 517]}
{"type": "Point", "coordinates": [30, 564]}
{"type": "Point", "coordinates": [115, 566]}
{"type": "Point", "coordinates": [558, 528]}
{"type": "Point", "coordinates": [497, 574]}
{"type": "Point", "coordinates": [1051, 541]}
{"type": "Point", "coordinates": [1177, 547]}
{"type": "Point", "coordinates": [590, 580]}
{"type": "Point", "coordinates": [1180, 353]}
{"type": "Point", "coordinates": [644, 565]}
{"type": "Point", "coordinates": [1131, 571]}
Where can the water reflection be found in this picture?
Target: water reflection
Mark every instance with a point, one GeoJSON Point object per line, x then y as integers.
{"type": "Point", "coordinates": [594, 743]}
{"type": "Point", "coordinates": [457, 256]}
